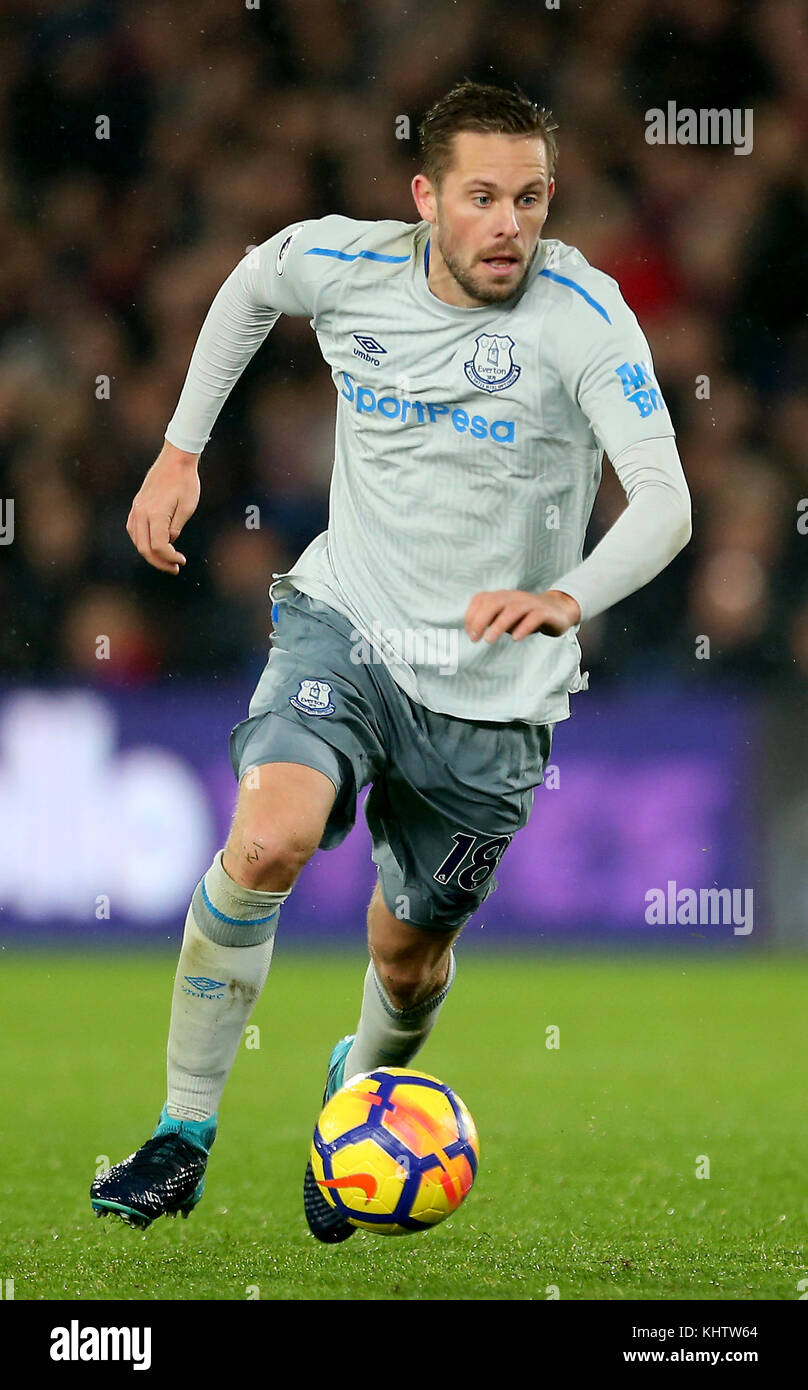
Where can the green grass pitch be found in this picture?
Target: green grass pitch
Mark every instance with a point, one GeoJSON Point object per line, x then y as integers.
{"type": "Point", "coordinates": [587, 1180]}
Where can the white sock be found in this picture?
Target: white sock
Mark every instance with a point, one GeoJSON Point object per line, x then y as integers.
{"type": "Point", "coordinates": [387, 1036]}
{"type": "Point", "coordinates": [224, 961]}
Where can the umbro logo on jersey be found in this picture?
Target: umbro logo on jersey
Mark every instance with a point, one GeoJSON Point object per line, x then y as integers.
{"type": "Point", "coordinates": [368, 346]}
{"type": "Point", "coordinates": [368, 343]}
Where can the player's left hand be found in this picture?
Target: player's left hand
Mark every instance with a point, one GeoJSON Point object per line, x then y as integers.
{"type": "Point", "coordinates": [520, 613]}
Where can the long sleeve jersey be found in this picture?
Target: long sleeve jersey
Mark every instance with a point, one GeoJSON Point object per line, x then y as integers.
{"type": "Point", "coordinates": [468, 451]}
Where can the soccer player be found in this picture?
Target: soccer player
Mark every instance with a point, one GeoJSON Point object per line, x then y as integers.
{"type": "Point", "coordinates": [426, 642]}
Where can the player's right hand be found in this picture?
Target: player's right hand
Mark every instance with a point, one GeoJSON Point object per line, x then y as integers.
{"type": "Point", "coordinates": [169, 495]}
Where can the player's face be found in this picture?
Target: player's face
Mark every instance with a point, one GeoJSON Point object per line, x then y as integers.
{"type": "Point", "coordinates": [487, 216]}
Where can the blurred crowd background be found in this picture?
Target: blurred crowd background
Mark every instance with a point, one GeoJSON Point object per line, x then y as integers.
{"type": "Point", "coordinates": [226, 124]}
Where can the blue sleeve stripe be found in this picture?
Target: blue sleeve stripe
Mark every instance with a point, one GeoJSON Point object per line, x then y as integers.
{"type": "Point", "coordinates": [346, 256]}
{"type": "Point", "coordinates": [562, 280]}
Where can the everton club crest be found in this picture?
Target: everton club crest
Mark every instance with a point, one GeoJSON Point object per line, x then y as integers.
{"type": "Point", "coordinates": [492, 367]}
{"type": "Point", "coordinates": [313, 697]}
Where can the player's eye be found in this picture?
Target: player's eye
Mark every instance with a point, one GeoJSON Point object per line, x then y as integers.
{"type": "Point", "coordinates": [483, 199]}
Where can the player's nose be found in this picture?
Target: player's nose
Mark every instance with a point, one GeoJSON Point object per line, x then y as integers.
{"type": "Point", "coordinates": [507, 224]}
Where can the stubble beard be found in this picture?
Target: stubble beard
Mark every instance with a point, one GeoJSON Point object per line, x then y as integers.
{"type": "Point", "coordinates": [473, 285]}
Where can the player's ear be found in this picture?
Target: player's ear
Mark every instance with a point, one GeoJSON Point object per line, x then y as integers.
{"type": "Point", "coordinates": [550, 191]}
{"type": "Point", "coordinates": [424, 196]}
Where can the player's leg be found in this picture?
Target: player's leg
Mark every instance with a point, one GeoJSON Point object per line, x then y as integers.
{"type": "Point", "coordinates": [230, 930]}
{"type": "Point", "coordinates": [409, 976]}
{"type": "Point", "coordinates": [442, 816]}
{"type": "Point", "coordinates": [411, 964]}
{"type": "Point", "coordinates": [224, 960]}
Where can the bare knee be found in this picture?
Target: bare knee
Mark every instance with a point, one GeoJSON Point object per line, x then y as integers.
{"type": "Point", "coordinates": [279, 821]}
{"type": "Point", "coordinates": [412, 964]}
{"type": "Point", "coordinates": [263, 857]}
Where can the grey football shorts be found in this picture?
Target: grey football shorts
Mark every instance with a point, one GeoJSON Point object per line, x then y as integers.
{"type": "Point", "coordinates": [447, 795]}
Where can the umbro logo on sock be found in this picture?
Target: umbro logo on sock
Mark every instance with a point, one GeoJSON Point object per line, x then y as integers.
{"type": "Point", "coordinates": [203, 988]}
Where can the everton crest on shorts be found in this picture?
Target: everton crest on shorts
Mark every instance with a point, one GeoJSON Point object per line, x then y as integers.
{"type": "Point", "coordinates": [313, 697]}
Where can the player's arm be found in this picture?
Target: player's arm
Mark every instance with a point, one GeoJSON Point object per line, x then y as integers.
{"type": "Point", "coordinates": [645, 538]}
{"type": "Point", "coordinates": [654, 527]}
{"type": "Point", "coordinates": [269, 281]}
{"type": "Point", "coordinates": [618, 394]}
{"type": "Point", "coordinates": [613, 383]}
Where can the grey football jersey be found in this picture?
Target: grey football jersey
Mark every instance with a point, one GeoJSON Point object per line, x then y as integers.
{"type": "Point", "coordinates": [468, 447]}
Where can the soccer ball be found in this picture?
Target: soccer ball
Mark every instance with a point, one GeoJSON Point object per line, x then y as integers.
{"type": "Point", "coordinates": [395, 1151]}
